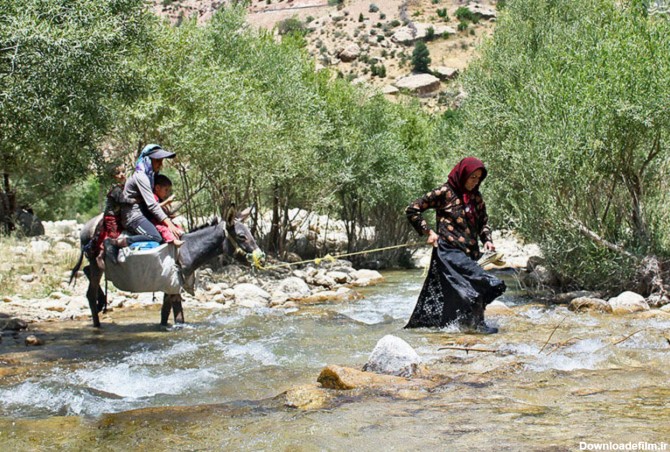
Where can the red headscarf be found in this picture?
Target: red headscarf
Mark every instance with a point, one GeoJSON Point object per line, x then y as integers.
{"type": "Point", "coordinates": [457, 178]}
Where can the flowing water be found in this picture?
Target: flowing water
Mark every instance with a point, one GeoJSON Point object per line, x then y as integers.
{"type": "Point", "coordinates": [212, 384]}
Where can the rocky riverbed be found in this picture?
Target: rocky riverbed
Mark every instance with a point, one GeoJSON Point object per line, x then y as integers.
{"type": "Point", "coordinates": [34, 276]}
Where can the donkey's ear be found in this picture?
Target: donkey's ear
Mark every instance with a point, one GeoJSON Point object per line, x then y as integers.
{"type": "Point", "coordinates": [244, 214]}
{"type": "Point", "coordinates": [230, 216]}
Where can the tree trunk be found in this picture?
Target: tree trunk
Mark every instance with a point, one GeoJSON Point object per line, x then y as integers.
{"type": "Point", "coordinates": [273, 236]}
{"type": "Point", "coordinates": [7, 206]}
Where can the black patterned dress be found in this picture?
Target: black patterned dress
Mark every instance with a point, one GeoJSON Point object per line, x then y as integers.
{"type": "Point", "coordinates": [456, 289]}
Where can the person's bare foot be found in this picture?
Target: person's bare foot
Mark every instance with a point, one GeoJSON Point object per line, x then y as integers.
{"type": "Point", "coordinates": [178, 242]}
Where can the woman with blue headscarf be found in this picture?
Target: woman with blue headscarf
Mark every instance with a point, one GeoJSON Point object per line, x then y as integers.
{"type": "Point", "coordinates": [139, 186]}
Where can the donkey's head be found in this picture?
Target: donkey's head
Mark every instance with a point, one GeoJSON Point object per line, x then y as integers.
{"type": "Point", "coordinates": [239, 241]}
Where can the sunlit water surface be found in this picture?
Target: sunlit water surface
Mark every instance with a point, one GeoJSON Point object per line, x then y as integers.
{"type": "Point", "coordinates": [226, 367]}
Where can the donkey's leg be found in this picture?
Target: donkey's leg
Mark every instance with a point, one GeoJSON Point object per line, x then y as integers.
{"type": "Point", "coordinates": [177, 309]}
{"type": "Point", "coordinates": [94, 274]}
{"type": "Point", "coordinates": [165, 310]}
{"type": "Point", "coordinates": [102, 299]}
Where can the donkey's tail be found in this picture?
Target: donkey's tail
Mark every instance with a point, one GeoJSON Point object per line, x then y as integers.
{"type": "Point", "coordinates": [73, 275]}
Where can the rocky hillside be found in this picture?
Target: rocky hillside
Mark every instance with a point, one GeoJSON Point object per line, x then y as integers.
{"type": "Point", "coordinates": [371, 41]}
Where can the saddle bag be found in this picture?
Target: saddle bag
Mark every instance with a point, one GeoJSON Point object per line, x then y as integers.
{"type": "Point", "coordinates": [145, 269]}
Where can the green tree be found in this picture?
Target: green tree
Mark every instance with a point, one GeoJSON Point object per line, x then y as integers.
{"type": "Point", "coordinates": [61, 65]}
{"type": "Point", "coordinates": [420, 57]}
{"type": "Point", "coordinates": [569, 104]}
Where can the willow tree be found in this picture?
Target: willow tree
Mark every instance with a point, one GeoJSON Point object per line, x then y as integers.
{"type": "Point", "coordinates": [569, 106]}
{"type": "Point", "coordinates": [240, 108]}
{"type": "Point", "coordinates": [61, 63]}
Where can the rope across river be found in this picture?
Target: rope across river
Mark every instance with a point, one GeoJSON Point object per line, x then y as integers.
{"type": "Point", "coordinates": [494, 258]}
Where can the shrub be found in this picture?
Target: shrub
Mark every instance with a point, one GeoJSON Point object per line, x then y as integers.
{"type": "Point", "coordinates": [430, 34]}
{"type": "Point", "coordinates": [378, 71]}
{"type": "Point", "coordinates": [292, 25]}
{"type": "Point", "coordinates": [373, 8]}
{"type": "Point", "coordinates": [463, 14]}
{"type": "Point", "coordinates": [420, 57]}
{"type": "Point", "coordinates": [394, 23]}
{"type": "Point", "coordinates": [361, 17]}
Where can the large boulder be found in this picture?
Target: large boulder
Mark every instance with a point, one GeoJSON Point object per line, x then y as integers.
{"type": "Point", "coordinates": [419, 83]}
{"type": "Point", "coordinates": [438, 30]}
{"type": "Point", "coordinates": [390, 90]}
{"type": "Point", "coordinates": [628, 302]}
{"type": "Point", "coordinates": [445, 73]}
{"type": "Point", "coordinates": [404, 35]}
{"type": "Point", "coordinates": [482, 11]}
{"type": "Point", "coordinates": [393, 356]}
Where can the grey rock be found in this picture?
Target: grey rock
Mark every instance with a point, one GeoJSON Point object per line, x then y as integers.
{"type": "Point", "coordinates": [393, 356]}
{"type": "Point", "coordinates": [419, 83]}
{"type": "Point", "coordinates": [628, 302]}
{"type": "Point", "coordinates": [293, 287]}
{"type": "Point", "coordinates": [12, 324]}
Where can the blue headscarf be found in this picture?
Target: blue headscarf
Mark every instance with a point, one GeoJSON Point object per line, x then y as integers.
{"type": "Point", "coordinates": [143, 164]}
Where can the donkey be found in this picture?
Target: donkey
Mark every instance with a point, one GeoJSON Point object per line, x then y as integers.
{"type": "Point", "coordinates": [232, 238]}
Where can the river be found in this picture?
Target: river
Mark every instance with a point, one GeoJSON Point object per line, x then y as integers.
{"type": "Point", "coordinates": [212, 384]}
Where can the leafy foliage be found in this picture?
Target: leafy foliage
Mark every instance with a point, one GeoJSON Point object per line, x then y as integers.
{"type": "Point", "coordinates": [569, 101]}
{"type": "Point", "coordinates": [61, 62]}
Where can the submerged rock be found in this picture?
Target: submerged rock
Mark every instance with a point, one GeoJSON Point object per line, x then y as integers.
{"type": "Point", "coordinates": [393, 356]}
{"type": "Point", "coordinates": [344, 378]}
{"type": "Point", "coordinates": [497, 307]}
{"type": "Point", "coordinates": [307, 397]}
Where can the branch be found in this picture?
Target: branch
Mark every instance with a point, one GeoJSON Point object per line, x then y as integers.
{"type": "Point", "coordinates": [468, 349]}
{"type": "Point", "coordinates": [552, 333]}
{"type": "Point", "coordinates": [620, 340]}
{"type": "Point", "coordinates": [601, 241]}
{"type": "Point", "coordinates": [655, 150]}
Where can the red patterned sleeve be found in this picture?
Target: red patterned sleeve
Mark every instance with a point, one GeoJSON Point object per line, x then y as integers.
{"type": "Point", "coordinates": [432, 200]}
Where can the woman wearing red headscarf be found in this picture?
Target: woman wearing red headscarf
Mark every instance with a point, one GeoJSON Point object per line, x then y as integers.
{"type": "Point", "coordinates": [456, 290]}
